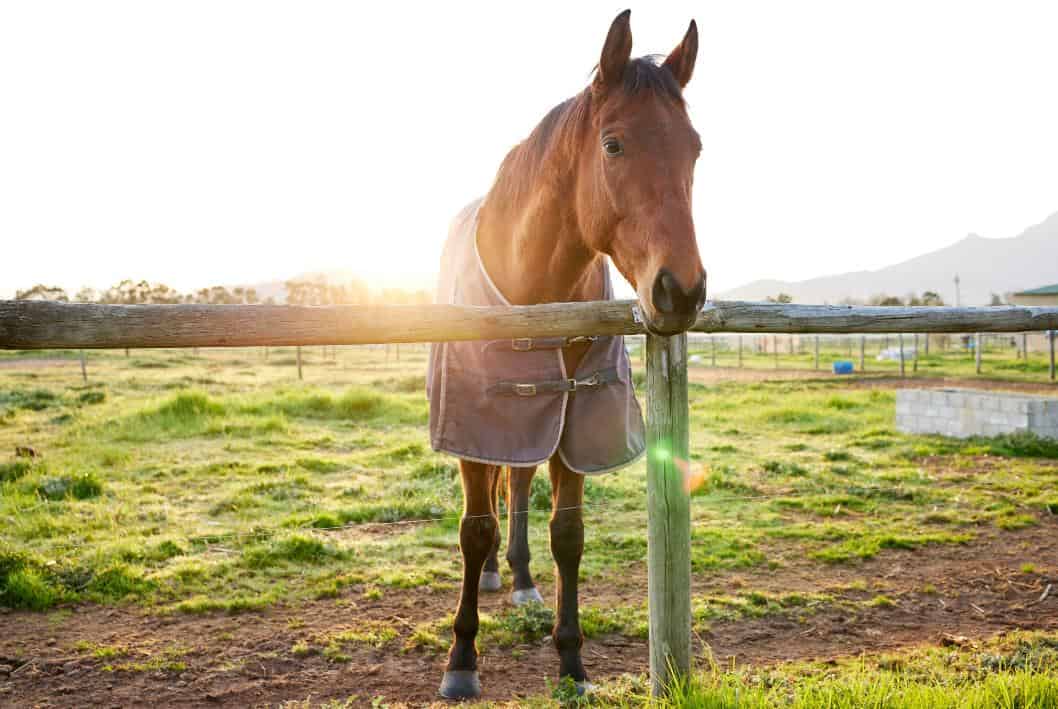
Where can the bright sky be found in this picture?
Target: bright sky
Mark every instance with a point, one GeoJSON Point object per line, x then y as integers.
{"type": "Point", "coordinates": [223, 142]}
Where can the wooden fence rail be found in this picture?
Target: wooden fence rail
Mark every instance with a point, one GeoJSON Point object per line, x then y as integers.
{"type": "Point", "coordinates": [49, 325]}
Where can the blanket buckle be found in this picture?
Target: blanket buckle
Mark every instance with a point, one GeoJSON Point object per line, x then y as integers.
{"type": "Point", "coordinates": [525, 389]}
{"type": "Point", "coordinates": [522, 344]}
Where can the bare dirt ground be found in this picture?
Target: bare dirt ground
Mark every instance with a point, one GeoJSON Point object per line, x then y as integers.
{"type": "Point", "coordinates": [975, 590]}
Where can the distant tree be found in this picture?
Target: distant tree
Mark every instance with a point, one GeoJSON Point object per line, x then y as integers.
{"type": "Point", "coordinates": [931, 298]}
{"type": "Point", "coordinates": [86, 295]}
{"type": "Point", "coordinates": [996, 299]}
{"type": "Point", "coordinates": [883, 299]}
{"type": "Point", "coordinates": [781, 298]}
{"type": "Point", "coordinates": [42, 292]}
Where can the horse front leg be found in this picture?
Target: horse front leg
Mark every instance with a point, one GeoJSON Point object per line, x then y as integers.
{"type": "Point", "coordinates": [478, 531]}
{"type": "Point", "coordinates": [519, 483]}
{"type": "Point", "coordinates": [490, 576]}
{"type": "Point", "coordinates": [567, 546]}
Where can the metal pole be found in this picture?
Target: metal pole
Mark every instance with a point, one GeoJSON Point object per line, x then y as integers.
{"type": "Point", "coordinates": [668, 513]}
{"type": "Point", "coordinates": [817, 351]}
{"type": "Point", "coordinates": [914, 360]}
{"type": "Point", "coordinates": [775, 349]}
{"type": "Point", "coordinates": [740, 350]}
{"type": "Point", "coordinates": [977, 351]}
{"type": "Point", "coordinates": [84, 370]}
{"type": "Point", "coordinates": [299, 363]}
{"type": "Point", "coordinates": [863, 353]}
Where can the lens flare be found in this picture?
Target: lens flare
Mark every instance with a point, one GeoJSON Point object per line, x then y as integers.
{"type": "Point", "coordinates": [693, 474]}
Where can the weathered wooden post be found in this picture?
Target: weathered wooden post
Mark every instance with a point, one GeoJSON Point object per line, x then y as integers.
{"type": "Point", "coordinates": [668, 512]}
{"type": "Point", "coordinates": [900, 337]}
{"type": "Point", "coordinates": [863, 353]}
{"type": "Point", "coordinates": [817, 351]}
{"type": "Point", "coordinates": [84, 370]}
{"type": "Point", "coordinates": [914, 359]}
{"type": "Point", "coordinates": [977, 351]}
{"type": "Point", "coordinates": [1053, 334]}
{"type": "Point", "coordinates": [299, 363]}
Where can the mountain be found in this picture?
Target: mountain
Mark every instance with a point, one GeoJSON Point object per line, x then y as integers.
{"type": "Point", "coordinates": [984, 266]}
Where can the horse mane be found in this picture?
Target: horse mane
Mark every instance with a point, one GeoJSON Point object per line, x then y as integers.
{"type": "Point", "coordinates": [557, 133]}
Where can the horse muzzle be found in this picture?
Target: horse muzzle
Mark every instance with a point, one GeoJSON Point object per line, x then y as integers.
{"type": "Point", "coordinates": [672, 309]}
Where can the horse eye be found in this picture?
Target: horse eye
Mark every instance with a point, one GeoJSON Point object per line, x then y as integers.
{"type": "Point", "coordinates": [612, 146]}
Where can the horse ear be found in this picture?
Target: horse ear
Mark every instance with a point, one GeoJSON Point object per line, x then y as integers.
{"type": "Point", "coordinates": [616, 52]}
{"type": "Point", "coordinates": [681, 61]}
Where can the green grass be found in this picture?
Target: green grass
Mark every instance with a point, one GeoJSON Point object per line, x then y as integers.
{"type": "Point", "coordinates": [176, 482]}
{"type": "Point", "coordinates": [1018, 672]}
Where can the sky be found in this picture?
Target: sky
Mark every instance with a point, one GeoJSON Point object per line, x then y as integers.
{"type": "Point", "coordinates": [196, 143]}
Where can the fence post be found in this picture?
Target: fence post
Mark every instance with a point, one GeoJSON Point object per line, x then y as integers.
{"type": "Point", "coordinates": [1025, 348]}
{"type": "Point", "coordinates": [977, 351]}
{"type": "Point", "coordinates": [1053, 334]}
{"type": "Point", "coordinates": [914, 360]}
{"type": "Point", "coordinates": [84, 370]}
{"type": "Point", "coordinates": [299, 362]}
{"type": "Point", "coordinates": [863, 353]}
{"type": "Point", "coordinates": [817, 351]}
{"type": "Point", "coordinates": [900, 337]}
{"type": "Point", "coordinates": [775, 349]}
{"type": "Point", "coordinates": [740, 351]}
{"type": "Point", "coordinates": [668, 512]}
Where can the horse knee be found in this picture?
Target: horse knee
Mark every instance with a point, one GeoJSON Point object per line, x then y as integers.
{"type": "Point", "coordinates": [478, 536]}
{"type": "Point", "coordinates": [567, 536]}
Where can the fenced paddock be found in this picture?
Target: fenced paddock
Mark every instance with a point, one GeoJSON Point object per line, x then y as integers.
{"type": "Point", "coordinates": [41, 325]}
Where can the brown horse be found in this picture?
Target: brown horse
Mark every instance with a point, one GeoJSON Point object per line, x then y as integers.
{"type": "Point", "coordinates": [607, 173]}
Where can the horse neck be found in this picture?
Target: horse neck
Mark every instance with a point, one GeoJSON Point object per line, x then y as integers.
{"type": "Point", "coordinates": [529, 237]}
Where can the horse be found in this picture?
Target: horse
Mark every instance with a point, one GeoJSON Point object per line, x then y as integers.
{"type": "Point", "coordinates": [606, 174]}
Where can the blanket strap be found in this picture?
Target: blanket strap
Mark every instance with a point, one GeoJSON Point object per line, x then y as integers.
{"type": "Point", "coordinates": [528, 344]}
{"type": "Point", "coordinates": [556, 386]}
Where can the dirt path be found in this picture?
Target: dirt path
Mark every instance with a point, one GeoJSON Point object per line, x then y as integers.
{"type": "Point", "coordinates": [975, 590]}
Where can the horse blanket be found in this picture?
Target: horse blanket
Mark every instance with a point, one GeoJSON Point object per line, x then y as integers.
{"type": "Point", "coordinates": [511, 402]}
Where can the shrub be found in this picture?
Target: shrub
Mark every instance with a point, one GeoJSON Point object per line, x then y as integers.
{"type": "Point", "coordinates": [14, 470]}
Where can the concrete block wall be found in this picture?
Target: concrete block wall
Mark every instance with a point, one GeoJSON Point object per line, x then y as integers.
{"type": "Point", "coordinates": [966, 412]}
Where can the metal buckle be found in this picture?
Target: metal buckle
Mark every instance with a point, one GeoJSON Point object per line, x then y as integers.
{"type": "Point", "coordinates": [579, 339]}
{"type": "Point", "coordinates": [522, 344]}
{"type": "Point", "coordinates": [591, 381]}
{"type": "Point", "coordinates": [525, 389]}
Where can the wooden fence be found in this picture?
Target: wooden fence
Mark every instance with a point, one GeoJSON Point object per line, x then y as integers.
{"type": "Point", "coordinates": [48, 325]}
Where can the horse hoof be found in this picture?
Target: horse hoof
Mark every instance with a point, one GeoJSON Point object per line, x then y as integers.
{"type": "Point", "coordinates": [586, 687]}
{"type": "Point", "coordinates": [521, 596]}
{"type": "Point", "coordinates": [490, 581]}
{"type": "Point", "coordinates": [460, 684]}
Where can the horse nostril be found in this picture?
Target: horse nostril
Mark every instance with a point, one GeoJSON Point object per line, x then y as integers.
{"type": "Point", "coordinates": [665, 292]}
{"type": "Point", "coordinates": [670, 298]}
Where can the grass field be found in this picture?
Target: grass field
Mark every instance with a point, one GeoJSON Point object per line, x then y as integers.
{"type": "Point", "coordinates": [189, 487]}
